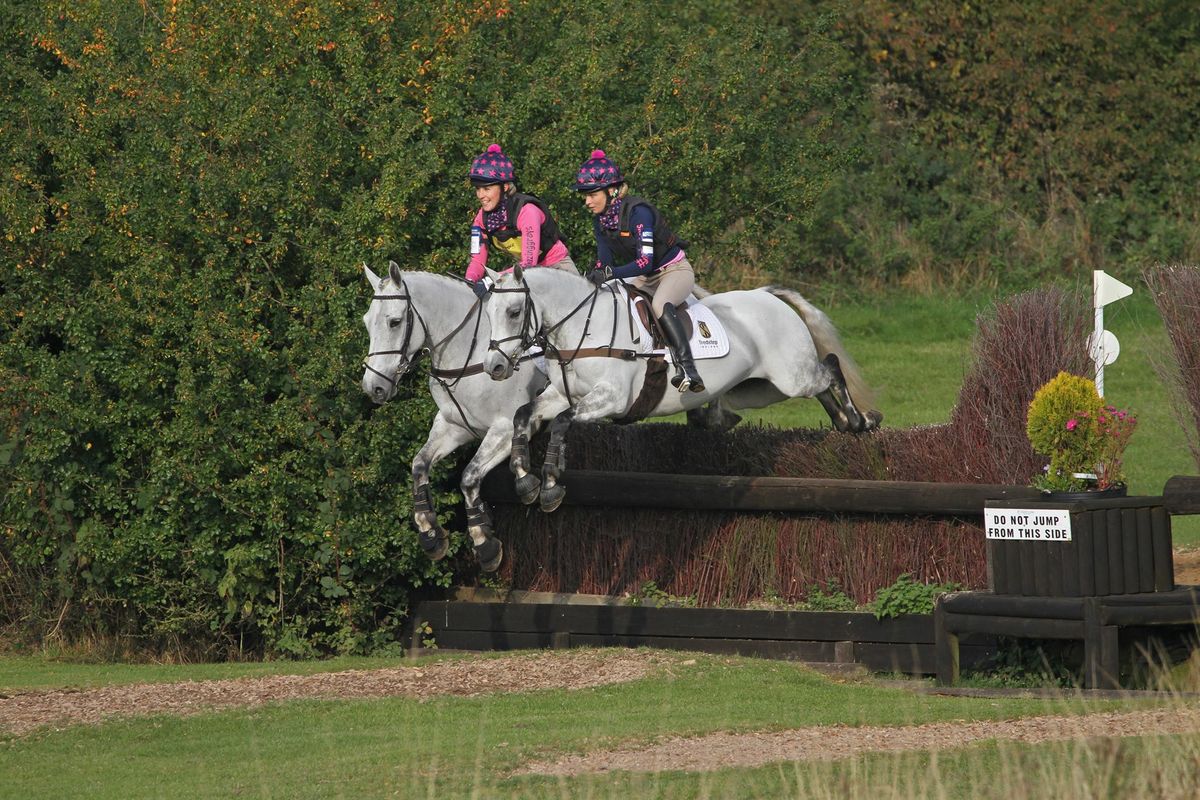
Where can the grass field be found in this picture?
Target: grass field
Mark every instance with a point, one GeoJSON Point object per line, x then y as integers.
{"type": "Point", "coordinates": [469, 747]}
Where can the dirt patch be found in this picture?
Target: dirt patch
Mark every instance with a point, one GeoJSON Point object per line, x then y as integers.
{"type": "Point", "coordinates": [1187, 567]}
{"type": "Point", "coordinates": [827, 743]}
{"type": "Point", "coordinates": [579, 669]}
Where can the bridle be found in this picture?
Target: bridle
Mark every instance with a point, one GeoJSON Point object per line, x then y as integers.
{"type": "Point", "coordinates": [406, 361]}
{"type": "Point", "coordinates": [530, 332]}
{"type": "Point", "coordinates": [533, 334]}
{"type": "Point", "coordinates": [436, 373]}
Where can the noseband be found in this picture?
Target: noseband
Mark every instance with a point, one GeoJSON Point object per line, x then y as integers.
{"type": "Point", "coordinates": [529, 334]}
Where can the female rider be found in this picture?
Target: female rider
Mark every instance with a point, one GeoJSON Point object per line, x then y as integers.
{"type": "Point", "coordinates": [516, 224]}
{"type": "Point", "coordinates": [634, 241]}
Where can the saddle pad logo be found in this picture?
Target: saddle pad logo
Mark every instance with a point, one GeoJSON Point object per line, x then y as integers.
{"type": "Point", "coordinates": [704, 331]}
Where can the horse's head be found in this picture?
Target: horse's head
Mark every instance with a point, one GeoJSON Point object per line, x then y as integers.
{"type": "Point", "coordinates": [397, 334]}
{"type": "Point", "coordinates": [513, 322]}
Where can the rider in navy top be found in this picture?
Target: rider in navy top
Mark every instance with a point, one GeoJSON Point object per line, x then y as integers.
{"type": "Point", "coordinates": [634, 241]}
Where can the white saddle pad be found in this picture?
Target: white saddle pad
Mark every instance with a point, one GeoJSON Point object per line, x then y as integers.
{"type": "Point", "coordinates": [709, 339]}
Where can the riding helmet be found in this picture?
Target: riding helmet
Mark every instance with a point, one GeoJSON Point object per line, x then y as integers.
{"type": "Point", "coordinates": [491, 167]}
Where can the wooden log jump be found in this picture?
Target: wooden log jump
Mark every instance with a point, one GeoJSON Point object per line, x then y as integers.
{"type": "Point", "coordinates": [735, 493]}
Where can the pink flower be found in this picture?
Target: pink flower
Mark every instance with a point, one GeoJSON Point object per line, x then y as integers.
{"type": "Point", "coordinates": [1071, 424]}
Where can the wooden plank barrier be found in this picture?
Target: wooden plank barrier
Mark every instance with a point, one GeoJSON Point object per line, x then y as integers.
{"type": "Point", "coordinates": [1116, 570]}
{"type": "Point", "coordinates": [1094, 620]}
{"type": "Point", "coordinates": [901, 644]}
{"type": "Point", "coordinates": [736, 493]}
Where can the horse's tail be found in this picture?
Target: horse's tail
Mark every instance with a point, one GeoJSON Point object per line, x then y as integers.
{"type": "Point", "coordinates": [826, 338]}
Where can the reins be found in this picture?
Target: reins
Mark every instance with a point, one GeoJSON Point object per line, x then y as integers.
{"type": "Point", "coordinates": [564, 358]}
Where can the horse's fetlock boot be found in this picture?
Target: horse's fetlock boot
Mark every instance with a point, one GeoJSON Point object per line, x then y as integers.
{"type": "Point", "coordinates": [480, 517]}
{"type": "Point", "coordinates": [520, 452]}
{"type": "Point", "coordinates": [422, 499]}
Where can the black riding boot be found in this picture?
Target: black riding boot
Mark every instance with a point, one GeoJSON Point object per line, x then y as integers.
{"type": "Point", "coordinates": [690, 378]}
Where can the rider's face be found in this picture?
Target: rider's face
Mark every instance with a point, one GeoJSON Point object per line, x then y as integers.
{"type": "Point", "coordinates": [488, 196]}
{"type": "Point", "coordinates": [596, 201]}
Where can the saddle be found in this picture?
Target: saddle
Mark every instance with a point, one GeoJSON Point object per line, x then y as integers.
{"type": "Point", "coordinates": [642, 303]}
{"type": "Point", "coordinates": [704, 330]}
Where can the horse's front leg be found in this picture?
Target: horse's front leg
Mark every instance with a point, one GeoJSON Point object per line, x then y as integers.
{"type": "Point", "coordinates": [553, 492]}
{"type": "Point", "coordinates": [547, 404]}
{"type": "Point", "coordinates": [492, 450]}
{"type": "Point", "coordinates": [600, 403]}
{"type": "Point", "coordinates": [443, 438]}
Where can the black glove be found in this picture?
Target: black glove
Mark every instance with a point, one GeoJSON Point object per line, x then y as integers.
{"type": "Point", "coordinates": [481, 287]}
{"type": "Point", "coordinates": [599, 275]}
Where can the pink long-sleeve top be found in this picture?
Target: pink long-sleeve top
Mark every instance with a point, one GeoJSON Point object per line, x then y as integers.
{"type": "Point", "coordinates": [529, 223]}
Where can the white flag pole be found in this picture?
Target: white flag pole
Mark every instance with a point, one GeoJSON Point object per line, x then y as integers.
{"type": "Point", "coordinates": [1103, 346]}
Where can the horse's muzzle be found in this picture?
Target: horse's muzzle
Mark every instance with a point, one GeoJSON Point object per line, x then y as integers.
{"type": "Point", "coordinates": [378, 390]}
{"type": "Point", "coordinates": [497, 366]}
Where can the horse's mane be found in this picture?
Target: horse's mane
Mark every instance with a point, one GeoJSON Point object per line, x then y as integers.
{"type": "Point", "coordinates": [421, 275]}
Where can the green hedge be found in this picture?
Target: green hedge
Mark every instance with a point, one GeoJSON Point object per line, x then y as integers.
{"type": "Point", "coordinates": [188, 192]}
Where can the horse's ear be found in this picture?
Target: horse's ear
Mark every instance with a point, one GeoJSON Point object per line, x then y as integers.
{"type": "Point", "coordinates": [372, 278]}
{"type": "Point", "coordinates": [394, 273]}
{"type": "Point", "coordinates": [518, 273]}
{"type": "Point", "coordinates": [491, 273]}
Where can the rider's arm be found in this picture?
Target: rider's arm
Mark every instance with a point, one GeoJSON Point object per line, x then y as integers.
{"type": "Point", "coordinates": [529, 223]}
{"type": "Point", "coordinates": [641, 227]}
{"type": "Point", "coordinates": [475, 270]}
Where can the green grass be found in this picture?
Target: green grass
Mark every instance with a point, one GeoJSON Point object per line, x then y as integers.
{"type": "Point", "coordinates": [462, 747]}
{"type": "Point", "coordinates": [915, 350]}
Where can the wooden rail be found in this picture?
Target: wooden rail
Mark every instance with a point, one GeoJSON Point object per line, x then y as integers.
{"type": "Point", "coordinates": [731, 493]}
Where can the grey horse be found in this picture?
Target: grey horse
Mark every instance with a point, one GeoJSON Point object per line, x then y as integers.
{"type": "Point", "coordinates": [416, 312]}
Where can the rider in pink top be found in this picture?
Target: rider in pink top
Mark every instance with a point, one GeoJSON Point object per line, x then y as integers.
{"type": "Point", "coordinates": [518, 225]}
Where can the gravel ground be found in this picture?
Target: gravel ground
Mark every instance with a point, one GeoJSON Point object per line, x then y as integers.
{"type": "Point", "coordinates": [569, 669]}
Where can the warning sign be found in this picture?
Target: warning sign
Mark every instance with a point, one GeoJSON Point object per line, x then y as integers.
{"type": "Point", "coordinates": [1041, 525]}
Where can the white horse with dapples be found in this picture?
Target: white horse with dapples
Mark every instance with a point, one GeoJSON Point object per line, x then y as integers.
{"type": "Point", "coordinates": [781, 347]}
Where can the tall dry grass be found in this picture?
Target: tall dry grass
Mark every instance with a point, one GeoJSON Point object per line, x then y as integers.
{"type": "Point", "coordinates": [1176, 291]}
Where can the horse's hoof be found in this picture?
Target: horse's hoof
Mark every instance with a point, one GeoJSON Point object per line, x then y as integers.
{"type": "Point", "coordinates": [489, 554]}
{"type": "Point", "coordinates": [873, 419]}
{"type": "Point", "coordinates": [552, 497]}
{"type": "Point", "coordinates": [434, 543]}
{"type": "Point", "coordinates": [528, 488]}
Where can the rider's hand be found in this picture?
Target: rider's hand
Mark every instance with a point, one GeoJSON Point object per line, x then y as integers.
{"type": "Point", "coordinates": [482, 287]}
{"type": "Point", "coordinates": [599, 275]}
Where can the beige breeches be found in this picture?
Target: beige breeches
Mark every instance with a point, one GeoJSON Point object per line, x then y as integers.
{"type": "Point", "coordinates": [671, 285]}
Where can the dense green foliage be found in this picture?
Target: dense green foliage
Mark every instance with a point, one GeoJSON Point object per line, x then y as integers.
{"type": "Point", "coordinates": [186, 191]}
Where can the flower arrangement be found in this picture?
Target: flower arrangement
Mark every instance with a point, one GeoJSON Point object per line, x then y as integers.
{"type": "Point", "coordinates": [1084, 439]}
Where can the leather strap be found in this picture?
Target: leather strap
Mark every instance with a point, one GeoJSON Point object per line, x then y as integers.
{"type": "Point", "coordinates": [654, 386]}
